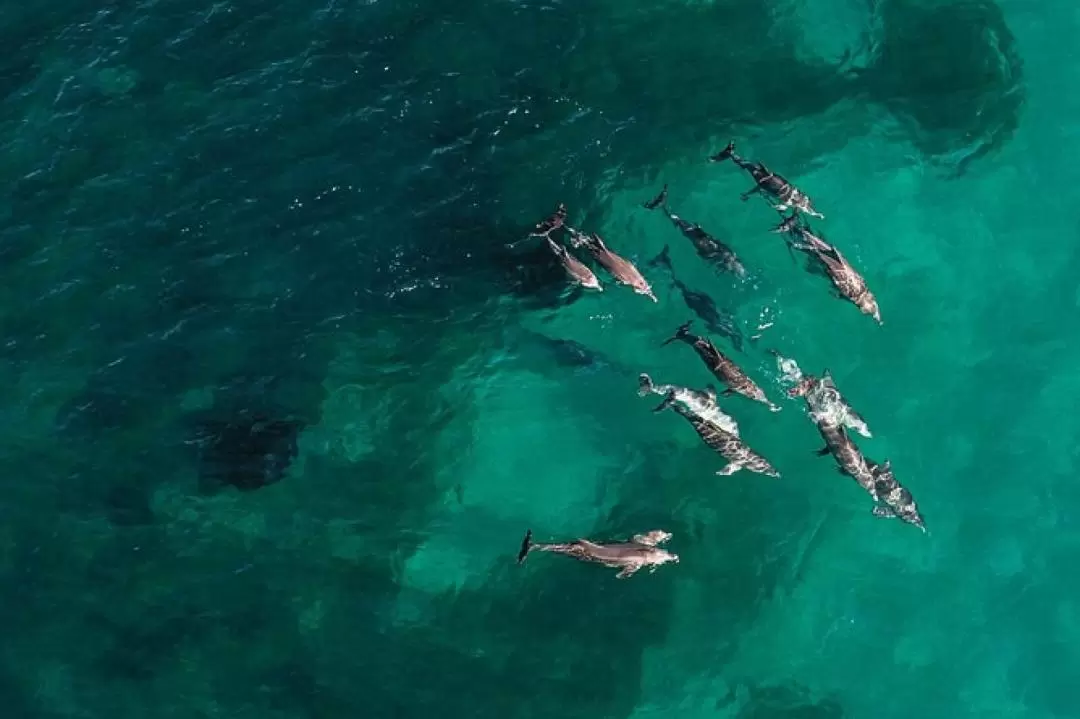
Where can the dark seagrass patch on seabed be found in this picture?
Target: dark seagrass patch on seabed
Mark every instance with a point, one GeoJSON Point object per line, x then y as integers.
{"type": "Point", "coordinates": [953, 71]}
{"type": "Point", "coordinates": [248, 449]}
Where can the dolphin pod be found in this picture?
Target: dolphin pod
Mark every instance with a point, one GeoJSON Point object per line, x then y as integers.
{"type": "Point", "coordinates": [829, 411]}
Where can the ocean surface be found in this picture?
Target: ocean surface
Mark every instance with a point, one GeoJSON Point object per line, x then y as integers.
{"type": "Point", "coordinates": [285, 382]}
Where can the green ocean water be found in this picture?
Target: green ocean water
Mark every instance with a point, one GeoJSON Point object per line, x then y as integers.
{"type": "Point", "coordinates": [281, 399]}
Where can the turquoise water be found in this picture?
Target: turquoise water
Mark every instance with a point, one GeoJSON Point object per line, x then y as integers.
{"type": "Point", "coordinates": [280, 401]}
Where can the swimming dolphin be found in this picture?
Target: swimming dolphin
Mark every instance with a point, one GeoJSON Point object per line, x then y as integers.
{"type": "Point", "coordinates": [716, 321]}
{"type": "Point", "coordinates": [707, 246]}
{"type": "Point", "coordinates": [641, 551]}
{"type": "Point", "coordinates": [578, 271]}
{"type": "Point", "coordinates": [894, 500]}
{"type": "Point", "coordinates": [823, 399]}
{"type": "Point", "coordinates": [722, 367]}
{"type": "Point", "coordinates": [701, 403]}
{"type": "Point", "coordinates": [621, 269]}
{"type": "Point", "coordinates": [849, 284]}
{"type": "Point", "coordinates": [890, 498]}
{"type": "Point", "coordinates": [769, 182]}
{"type": "Point", "coordinates": [727, 445]}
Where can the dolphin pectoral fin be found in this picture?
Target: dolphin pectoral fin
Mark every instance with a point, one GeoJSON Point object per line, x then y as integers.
{"type": "Point", "coordinates": [822, 452]}
{"type": "Point", "coordinates": [526, 545]}
{"type": "Point", "coordinates": [729, 470]}
{"type": "Point", "coordinates": [883, 512]}
{"type": "Point", "coordinates": [628, 571]}
{"type": "Point", "coordinates": [727, 393]}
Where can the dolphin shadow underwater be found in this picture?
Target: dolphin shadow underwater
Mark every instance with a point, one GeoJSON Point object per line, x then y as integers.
{"type": "Point", "coordinates": [717, 321]}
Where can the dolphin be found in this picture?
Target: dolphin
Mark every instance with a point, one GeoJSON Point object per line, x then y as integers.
{"type": "Point", "coordinates": [727, 445]}
{"type": "Point", "coordinates": [716, 321]}
{"type": "Point", "coordinates": [621, 269]}
{"type": "Point", "coordinates": [823, 399]}
{"type": "Point", "coordinates": [578, 271]}
{"type": "Point", "coordinates": [769, 182]}
{"type": "Point", "coordinates": [722, 367]}
{"type": "Point", "coordinates": [849, 284]}
{"type": "Point", "coordinates": [701, 403]}
{"type": "Point", "coordinates": [642, 550]}
{"type": "Point", "coordinates": [707, 246]}
{"type": "Point", "coordinates": [894, 500]}
{"type": "Point", "coordinates": [890, 498]}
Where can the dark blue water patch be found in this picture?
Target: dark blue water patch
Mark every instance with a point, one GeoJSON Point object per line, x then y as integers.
{"type": "Point", "coordinates": [247, 450]}
{"type": "Point", "coordinates": [785, 702]}
{"type": "Point", "coordinates": [953, 70]}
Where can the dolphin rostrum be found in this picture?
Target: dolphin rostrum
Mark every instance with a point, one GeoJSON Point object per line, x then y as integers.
{"type": "Point", "coordinates": [727, 445]}
{"type": "Point", "coordinates": [701, 403]}
{"type": "Point", "coordinates": [769, 182]}
{"type": "Point", "coordinates": [849, 284]}
{"type": "Point", "coordinates": [620, 268]}
{"type": "Point", "coordinates": [642, 550]}
{"type": "Point", "coordinates": [708, 247]}
{"type": "Point", "coordinates": [722, 367]}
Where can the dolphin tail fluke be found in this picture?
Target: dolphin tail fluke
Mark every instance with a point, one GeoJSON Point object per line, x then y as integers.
{"type": "Point", "coordinates": [645, 385]}
{"type": "Point", "coordinates": [526, 545]}
{"type": "Point", "coordinates": [683, 331]}
{"type": "Point", "coordinates": [724, 154]}
{"type": "Point", "coordinates": [668, 401]}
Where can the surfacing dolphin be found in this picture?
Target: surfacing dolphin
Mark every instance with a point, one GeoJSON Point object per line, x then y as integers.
{"type": "Point", "coordinates": [722, 367]}
{"type": "Point", "coordinates": [577, 270]}
{"type": "Point", "coordinates": [620, 268]}
{"type": "Point", "coordinates": [642, 550]}
{"type": "Point", "coordinates": [824, 401]}
{"type": "Point", "coordinates": [769, 182]}
{"type": "Point", "coordinates": [699, 402]}
{"type": "Point", "coordinates": [707, 246]}
{"type": "Point", "coordinates": [716, 321]}
{"type": "Point", "coordinates": [727, 445]}
{"type": "Point", "coordinates": [849, 284]}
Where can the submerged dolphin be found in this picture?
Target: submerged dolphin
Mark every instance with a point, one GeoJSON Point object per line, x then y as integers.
{"type": "Point", "coordinates": [620, 268]}
{"type": "Point", "coordinates": [716, 321]}
{"type": "Point", "coordinates": [823, 399]}
{"type": "Point", "coordinates": [707, 246]}
{"type": "Point", "coordinates": [890, 498]}
{"type": "Point", "coordinates": [769, 182]}
{"type": "Point", "coordinates": [722, 367]}
{"type": "Point", "coordinates": [641, 551]}
{"type": "Point", "coordinates": [726, 444]}
{"type": "Point", "coordinates": [849, 284]}
{"type": "Point", "coordinates": [699, 402]}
